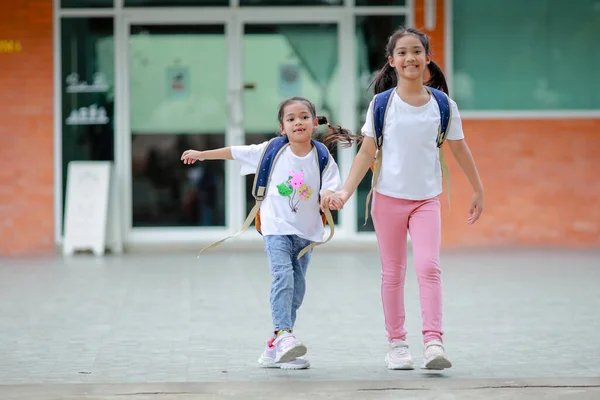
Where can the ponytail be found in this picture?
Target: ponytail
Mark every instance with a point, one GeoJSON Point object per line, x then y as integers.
{"type": "Point", "coordinates": [386, 79]}
{"type": "Point", "coordinates": [437, 80]}
{"type": "Point", "coordinates": [337, 135]}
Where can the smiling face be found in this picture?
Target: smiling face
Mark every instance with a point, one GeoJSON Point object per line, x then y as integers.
{"type": "Point", "coordinates": [409, 57]}
{"type": "Point", "coordinates": [297, 122]}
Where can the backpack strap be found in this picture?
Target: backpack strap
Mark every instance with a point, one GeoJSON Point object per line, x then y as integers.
{"type": "Point", "coordinates": [381, 104]}
{"type": "Point", "coordinates": [445, 118]}
{"type": "Point", "coordinates": [262, 179]}
{"type": "Point", "coordinates": [445, 114]}
{"type": "Point", "coordinates": [323, 157]}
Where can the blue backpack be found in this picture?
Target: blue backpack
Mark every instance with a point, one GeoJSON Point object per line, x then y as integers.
{"type": "Point", "coordinates": [381, 104]}
{"type": "Point", "coordinates": [262, 179]}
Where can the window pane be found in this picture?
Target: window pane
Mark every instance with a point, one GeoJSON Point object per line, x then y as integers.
{"type": "Point", "coordinates": [372, 33]}
{"type": "Point", "coordinates": [291, 2]}
{"type": "Point", "coordinates": [87, 3]}
{"type": "Point", "coordinates": [546, 60]}
{"type": "Point", "coordinates": [380, 2]}
{"type": "Point", "coordinates": [281, 61]}
{"type": "Point", "coordinates": [175, 3]}
{"type": "Point", "coordinates": [87, 85]}
{"type": "Point", "coordinates": [176, 105]}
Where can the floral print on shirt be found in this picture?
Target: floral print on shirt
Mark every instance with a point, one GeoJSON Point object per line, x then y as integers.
{"type": "Point", "coordinates": [295, 186]}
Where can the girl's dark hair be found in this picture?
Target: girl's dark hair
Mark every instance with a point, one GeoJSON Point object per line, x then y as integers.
{"type": "Point", "coordinates": [388, 77]}
{"type": "Point", "coordinates": [437, 80]}
{"type": "Point", "coordinates": [334, 135]}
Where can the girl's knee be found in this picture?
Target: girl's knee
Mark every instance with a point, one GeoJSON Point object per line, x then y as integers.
{"type": "Point", "coordinates": [284, 277]}
{"type": "Point", "coordinates": [393, 275]}
{"type": "Point", "coordinates": [428, 268]}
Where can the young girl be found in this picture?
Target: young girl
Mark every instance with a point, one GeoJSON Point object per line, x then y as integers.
{"type": "Point", "coordinates": [407, 192]}
{"type": "Point", "coordinates": [290, 221]}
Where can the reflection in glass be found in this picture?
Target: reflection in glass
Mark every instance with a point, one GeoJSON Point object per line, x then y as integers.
{"type": "Point", "coordinates": [291, 2]}
{"type": "Point", "coordinates": [175, 3]}
{"type": "Point", "coordinates": [177, 102]}
{"type": "Point", "coordinates": [380, 2]}
{"type": "Point", "coordinates": [86, 3]}
{"type": "Point", "coordinates": [282, 61]}
{"type": "Point", "coordinates": [372, 33]}
{"type": "Point", "coordinates": [87, 86]}
{"type": "Point", "coordinates": [165, 192]}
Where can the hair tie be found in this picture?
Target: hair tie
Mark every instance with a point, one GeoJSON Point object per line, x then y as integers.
{"type": "Point", "coordinates": [322, 120]}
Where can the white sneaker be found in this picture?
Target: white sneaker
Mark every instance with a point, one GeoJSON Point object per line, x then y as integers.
{"type": "Point", "coordinates": [267, 359]}
{"type": "Point", "coordinates": [398, 356]}
{"type": "Point", "coordinates": [288, 348]}
{"type": "Point", "coordinates": [434, 356]}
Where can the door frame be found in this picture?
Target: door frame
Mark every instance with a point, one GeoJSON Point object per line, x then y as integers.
{"type": "Point", "coordinates": [234, 19]}
{"type": "Point", "coordinates": [123, 157]}
{"type": "Point", "coordinates": [234, 22]}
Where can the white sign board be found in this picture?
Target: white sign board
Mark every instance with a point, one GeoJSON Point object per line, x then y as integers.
{"type": "Point", "coordinates": [91, 209]}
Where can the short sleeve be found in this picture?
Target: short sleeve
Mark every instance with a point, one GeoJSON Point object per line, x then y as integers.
{"type": "Point", "coordinates": [456, 130]}
{"type": "Point", "coordinates": [367, 129]}
{"type": "Point", "coordinates": [331, 177]}
{"type": "Point", "coordinates": [248, 156]}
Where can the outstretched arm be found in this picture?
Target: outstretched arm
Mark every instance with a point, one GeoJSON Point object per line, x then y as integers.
{"type": "Point", "coordinates": [191, 156]}
{"type": "Point", "coordinates": [463, 156]}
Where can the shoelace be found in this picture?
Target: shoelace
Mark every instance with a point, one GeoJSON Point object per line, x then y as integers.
{"type": "Point", "coordinates": [400, 350]}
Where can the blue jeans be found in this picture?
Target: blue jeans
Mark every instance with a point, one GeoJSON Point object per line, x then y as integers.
{"type": "Point", "coordinates": [289, 277]}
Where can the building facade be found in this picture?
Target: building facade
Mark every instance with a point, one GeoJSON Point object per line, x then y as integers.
{"type": "Point", "coordinates": [136, 82]}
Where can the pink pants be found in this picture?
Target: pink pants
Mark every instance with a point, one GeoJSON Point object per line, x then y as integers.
{"type": "Point", "coordinates": [392, 218]}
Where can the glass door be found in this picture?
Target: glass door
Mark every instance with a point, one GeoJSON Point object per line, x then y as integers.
{"type": "Point", "coordinates": [177, 86]}
{"type": "Point", "coordinates": [283, 60]}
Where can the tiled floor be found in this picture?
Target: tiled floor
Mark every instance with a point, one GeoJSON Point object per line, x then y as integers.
{"type": "Point", "coordinates": [176, 318]}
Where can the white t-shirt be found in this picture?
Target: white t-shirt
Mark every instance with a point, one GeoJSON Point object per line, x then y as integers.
{"type": "Point", "coordinates": [291, 206]}
{"type": "Point", "coordinates": [410, 165]}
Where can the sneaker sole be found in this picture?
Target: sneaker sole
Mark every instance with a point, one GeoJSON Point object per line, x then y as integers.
{"type": "Point", "coordinates": [405, 367]}
{"type": "Point", "coordinates": [297, 351]}
{"type": "Point", "coordinates": [291, 366]}
{"type": "Point", "coordinates": [269, 363]}
{"type": "Point", "coordinates": [437, 363]}
{"type": "Point", "coordinates": [265, 362]}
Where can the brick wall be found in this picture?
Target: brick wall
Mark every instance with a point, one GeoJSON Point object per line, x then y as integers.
{"type": "Point", "coordinates": [541, 182]}
{"type": "Point", "coordinates": [26, 130]}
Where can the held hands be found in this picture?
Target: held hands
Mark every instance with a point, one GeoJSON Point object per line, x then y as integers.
{"type": "Point", "coordinates": [191, 156]}
{"type": "Point", "coordinates": [476, 208]}
{"type": "Point", "coordinates": [331, 201]}
{"type": "Point", "coordinates": [334, 201]}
